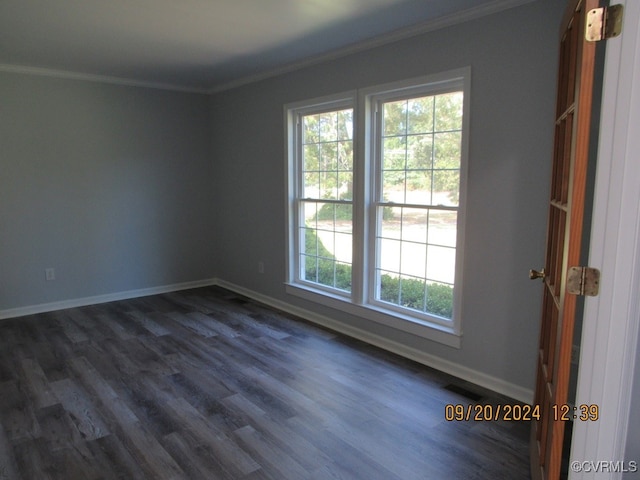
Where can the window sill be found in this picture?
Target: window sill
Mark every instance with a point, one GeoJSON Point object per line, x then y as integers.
{"type": "Point", "coordinates": [405, 323]}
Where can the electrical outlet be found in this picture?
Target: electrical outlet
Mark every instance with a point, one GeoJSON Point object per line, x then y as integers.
{"type": "Point", "coordinates": [575, 354]}
{"type": "Point", "coordinates": [260, 266]}
{"type": "Point", "coordinates": [50, 274]}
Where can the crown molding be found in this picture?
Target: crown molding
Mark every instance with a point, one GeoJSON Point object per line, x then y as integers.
{"type": "Point", "coordinates": [401, 34]}
{"type": "Point", "coordinates": [469, 14]}
{"type": "Point", "coordinates": [89, 77]}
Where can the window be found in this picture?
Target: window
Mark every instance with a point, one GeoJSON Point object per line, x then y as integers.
{"type": "Point", "coordinates": [326, 198]}
{"type": "Point", "coordinates": [376, 202]}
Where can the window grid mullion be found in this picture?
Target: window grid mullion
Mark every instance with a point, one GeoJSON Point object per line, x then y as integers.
{"type": "Point", "coordinates": [373, 189]}
{"type": "Point", "coordinates": [382, 200]}
{"type": "Point", "coordinates": [325, 164]}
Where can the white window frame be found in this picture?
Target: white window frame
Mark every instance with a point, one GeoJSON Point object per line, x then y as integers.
{"type": "Point", "coordinates": [295, 181]}
{"type": "Point", "coordinates": [361, 301]}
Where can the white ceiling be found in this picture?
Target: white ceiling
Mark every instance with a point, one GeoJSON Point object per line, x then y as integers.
{"type": "Point", "coordinates": [208, 45]}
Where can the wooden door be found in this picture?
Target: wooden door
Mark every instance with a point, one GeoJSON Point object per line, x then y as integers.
{"type": "Point", "coordinates": [564, 235]}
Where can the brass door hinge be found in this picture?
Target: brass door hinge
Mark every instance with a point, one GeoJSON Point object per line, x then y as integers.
{"type": "Point", "coordinates": [583, 281]}
{"type": "Point", "coordinates": [603, 23]}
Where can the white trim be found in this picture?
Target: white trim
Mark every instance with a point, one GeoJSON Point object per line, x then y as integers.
{"type": "Point", "coordinates": [294, 175]}
{"type": "Point", "coordinates": [401, 34]}
{"type": "Point", "coordinates": [421, 328]}
{"type": "Point", "coordinates": [362, 300]}
{"type": "Point", "coordinates": [611, 320]}
{"type": "Point", "coordinates": [469, 14]}
{"type": "Point", "coordinates": [371, 99]}
{"type": "Point", "coordinates": [89, 77]}
{"type": "Point", "coordinates": [109, 297]}
{"type": "Point", "coordinates": [495, 384]}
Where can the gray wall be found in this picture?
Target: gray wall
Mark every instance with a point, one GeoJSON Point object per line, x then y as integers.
{"type": "Point", "coordinates": [632, 453]}
{"type": "Point", "coordinates": [121, 188]}
{"type": "Point", "coordinates": [513, 56]}
{"type": "Point", "coordinates": [109, 185]}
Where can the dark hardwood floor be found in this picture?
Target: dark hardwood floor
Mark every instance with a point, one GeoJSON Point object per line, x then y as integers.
{"type": "Point", "coordinates": [205, 384]}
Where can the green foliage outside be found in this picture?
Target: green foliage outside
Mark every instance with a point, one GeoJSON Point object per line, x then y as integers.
{"type": "Point", "coordinates": [421, 152]}
{"type": "Point", "coordinates": [422, 144]}
{"type": "Point", "coordinates": [330, 211]}
{"type": "Point", "coordinates": [328, 155]}
{"type": "Point", "coordinates": [421, 149]}
{"type": "Point", "coordinates": [321, 267]}
{"type": "Point", "coordinates": [410, 293]}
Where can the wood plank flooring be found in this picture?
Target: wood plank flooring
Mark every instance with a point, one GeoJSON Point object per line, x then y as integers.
{"type": "Point", "coordinates": [206, 384]}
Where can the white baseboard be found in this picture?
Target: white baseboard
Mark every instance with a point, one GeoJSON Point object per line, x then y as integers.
{"type": "Point", "coordinates": [486, 381]}
{"type": "Point", "coordinates": [109, 297]}
{"type": "Point", "coordinates": [498, 385]}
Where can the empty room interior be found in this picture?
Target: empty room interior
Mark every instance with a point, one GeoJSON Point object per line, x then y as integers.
{"type": "Point", "coordinates": [290, 239]}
